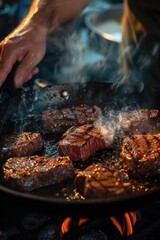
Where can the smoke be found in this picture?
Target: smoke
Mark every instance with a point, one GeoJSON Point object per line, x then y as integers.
{"type": "Point", "coordinates": [81, 62]}
{"type": "Point", "coordinates": [70, 67]}
{"type": "Point", "coordinates": [138, 64]}
{"type": "Point", "coordinates": [115, 123]}
{"type": "Point", "coordinates": [83, 59]}
{"type": "Point", "coordinates": [108, 125]}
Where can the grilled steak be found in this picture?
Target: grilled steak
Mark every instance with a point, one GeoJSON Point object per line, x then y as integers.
{"type": "Point", "coordinates": [140, 154]}
{"type": "Point", "coordinates": [28, 173]}
{"type": "Point", "coordinates": [59, 120]}
{"type": "Point", "coordinates": [98, 181]}
{"type": "Point", "coordinates": [81, 142]}
{"type": "Point", "coordinates": [142, 121]}
{"type": "Point", "coordinates": [21, 144]}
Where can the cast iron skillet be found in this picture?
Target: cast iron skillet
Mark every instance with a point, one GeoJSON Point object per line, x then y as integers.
{"type": "Point", "coordinates": [60, 198]}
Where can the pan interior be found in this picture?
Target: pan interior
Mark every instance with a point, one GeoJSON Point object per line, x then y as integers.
{"type": "Point", "coordinates": [65, 191]}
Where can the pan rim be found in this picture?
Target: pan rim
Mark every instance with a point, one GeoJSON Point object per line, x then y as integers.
{"type": "Point", "coordinates": [31, 196]}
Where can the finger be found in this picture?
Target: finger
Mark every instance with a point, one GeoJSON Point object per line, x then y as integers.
{"type": "Point", "coordinates": [29, 77]}
{"type": "Point", "coordinates": [35, 71]}
{"type": "Point", "coordinates": [25, 68]}
{"type": "Point", "coordinates": [5, 68]}
{"type": "Point", "coordinates": [8, 57]}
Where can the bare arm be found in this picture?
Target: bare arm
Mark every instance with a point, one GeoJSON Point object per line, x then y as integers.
{"type": "Point", "coordinates": [27, 43]}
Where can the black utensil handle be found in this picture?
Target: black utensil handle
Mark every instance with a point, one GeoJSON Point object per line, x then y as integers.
{"type": "Point", "coordinates": [9, 85]}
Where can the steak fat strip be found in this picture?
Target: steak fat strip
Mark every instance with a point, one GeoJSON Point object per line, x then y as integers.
{"type": "Point", "coordinates": [79, 143]}
{"type": "Point", "coordinates": [28, 173]}
{"type": "Point", "coordinates": [98, 181]}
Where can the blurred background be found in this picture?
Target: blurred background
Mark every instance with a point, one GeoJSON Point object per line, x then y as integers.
{"type": "Point", "coordinates": [12, 11]}
{"type": "Point", "coordinates": [83, 39]}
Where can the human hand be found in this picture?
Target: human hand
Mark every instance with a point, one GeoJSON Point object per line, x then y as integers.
{"type": "Point", "coordinates": [26, 45]}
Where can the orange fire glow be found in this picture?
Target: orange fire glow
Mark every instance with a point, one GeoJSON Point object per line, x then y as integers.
{"type": "Point", "coordinates": [82, 221]}
{"type": "Point", "coordinates": [117, 224]}
{"type": "Point", "coordinates": [65, 225]}
{"type": "Point", "coordinates": [125, 228]}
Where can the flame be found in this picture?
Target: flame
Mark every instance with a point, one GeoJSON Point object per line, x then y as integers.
{"type": "Point", "coordinates": [65, 225]}
{"type": "Point", "coordinates": [117, 224]}
{"type": "Point", "coordinates": [128, 225]}
{"type": "Point", "coordinates": [125, 228]}
{"type": "Point", "coordinates": [82, 221]}
{"type": "Point", "coordinates": [133, 217]}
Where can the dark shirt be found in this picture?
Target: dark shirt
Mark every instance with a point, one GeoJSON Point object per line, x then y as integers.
{"type": "Point", "coordinates": [141, 47]}
{"type": "Point", "coordinates": [148, 13]}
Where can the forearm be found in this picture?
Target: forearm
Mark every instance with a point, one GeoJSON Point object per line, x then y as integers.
{"type": "Point", "coordinates": [41, 13]}
{"type": "Point", "coordinates": [52, 13]}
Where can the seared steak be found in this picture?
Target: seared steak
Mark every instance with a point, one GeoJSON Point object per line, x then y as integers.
{"type": "Point", "coordinates": [99, 181]}
{"type": "Point", "coordinates": [140, 154]}
{"type": "Point", "coordinates": [28, 173]}
{"type": "Point", "coordinates": [21, 144]}
{"type": "Point", "coordinates": [59, 120]}
{"type": "Point", "coordinates": [142, 121]}
{"type": "Point", "coordinates": [81, 142]}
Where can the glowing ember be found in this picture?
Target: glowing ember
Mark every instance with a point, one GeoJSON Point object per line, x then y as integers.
{"type": "Point", "coordinates": [124, 226]}
{"type": "Point", "coordinates": [82, 221]}
{"type": "Point", "coordinates": [65, 225]}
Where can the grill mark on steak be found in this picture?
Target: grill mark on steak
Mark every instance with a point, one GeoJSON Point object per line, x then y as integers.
{"type": "Point", "coordinates": [158, 140]}
{"type": "Point", "coordinates": [21, 144]}
{"type": "Point", "coordinates": [76, 116]}
{"type": "Point", "coordinates": [142, 121]}
{"type": "Point", "coordinates": [60, 120]}
{"type": "Point", "coordinates": [28, 173]}
{"type": "Point", "coordinates": [144, 154]}
{"type": "Point", "coordinates": [147, 142]}
{"type": "Point", "coordinates": [81, 142]}
{"type": "Point", "coordinates": [98, 181]}
{"type": "Point", "coordinates": [81, 135]}
{"type": "Point", "coordinates": [70, 113]}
